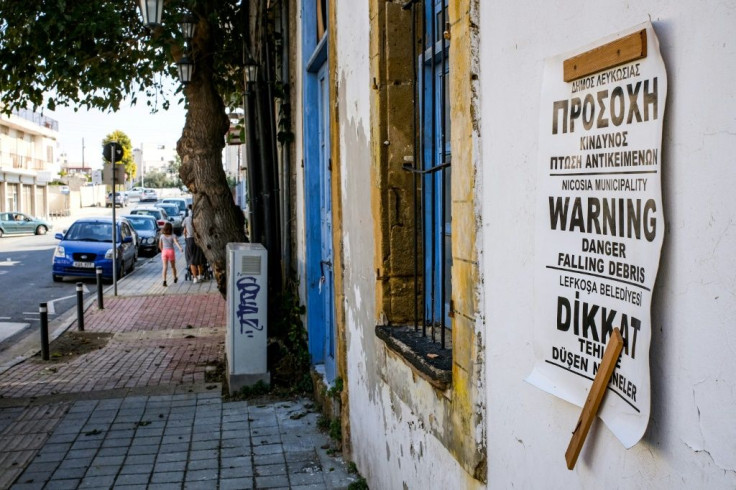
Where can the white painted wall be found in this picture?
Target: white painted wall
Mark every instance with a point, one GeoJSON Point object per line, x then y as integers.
{"type": "Point", "coordinates": [691, 439]}
{"type": "Point", "coordinates": [389, 444]}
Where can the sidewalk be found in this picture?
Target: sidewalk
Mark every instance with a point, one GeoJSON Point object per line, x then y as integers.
{"type": "Point", "coordinates": [129, 404]}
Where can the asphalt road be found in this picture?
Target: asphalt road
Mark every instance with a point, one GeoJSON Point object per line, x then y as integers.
{"type": "Point", "coordinates": [25, 280]}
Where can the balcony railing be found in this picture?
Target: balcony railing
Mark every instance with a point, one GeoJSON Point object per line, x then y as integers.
{"type": "Point", "coordinates": [37, 118]}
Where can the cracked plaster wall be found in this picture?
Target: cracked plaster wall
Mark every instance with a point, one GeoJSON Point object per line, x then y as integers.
{"type": "Point", "coordinates": [390, 443]}
{"type": "Point", "coordinates": [691, 438]}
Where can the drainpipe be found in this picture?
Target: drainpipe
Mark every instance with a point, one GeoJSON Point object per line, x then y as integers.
{"type": "Point", "coordinates": [286, 149]}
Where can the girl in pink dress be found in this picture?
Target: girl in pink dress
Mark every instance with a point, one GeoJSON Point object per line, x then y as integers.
{"type": "Point", "coordinates": [166, 244]}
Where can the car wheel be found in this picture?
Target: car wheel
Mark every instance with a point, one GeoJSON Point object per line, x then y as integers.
{"type": "Point", "coordinates": [41, 230]}
{"type": "Point", "coordinates": [1, 233]}
{"type": "Point", "coordinates": [56, 278]}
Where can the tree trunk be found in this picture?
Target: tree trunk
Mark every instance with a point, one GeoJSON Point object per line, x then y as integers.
{"type": "Point", "coordinates": [217, 219]}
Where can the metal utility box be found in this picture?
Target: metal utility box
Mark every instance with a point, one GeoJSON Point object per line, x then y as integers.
{"type": "Point", "coordinates": [247, 320]}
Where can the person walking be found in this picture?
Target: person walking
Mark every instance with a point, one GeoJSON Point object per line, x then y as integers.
{"type": "Point", "coordinates": [166, 244]}
{"type": "Point", "coordinates": [193, 252]}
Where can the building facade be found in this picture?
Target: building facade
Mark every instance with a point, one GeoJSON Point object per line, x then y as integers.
{"type": "Point", "coordinates": [28, 147]}
{"type": "Point", "coordinates": [416, 162]}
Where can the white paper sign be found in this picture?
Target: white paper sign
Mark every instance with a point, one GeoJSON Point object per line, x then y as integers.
{"type": "Point", "coordinates": [599, 230]}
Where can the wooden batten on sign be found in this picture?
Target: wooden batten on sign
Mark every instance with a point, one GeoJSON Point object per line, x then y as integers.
{"type": "Point", "coordinates": [624, 50]}
{"type": "Point", "coordinates": [595, 396]}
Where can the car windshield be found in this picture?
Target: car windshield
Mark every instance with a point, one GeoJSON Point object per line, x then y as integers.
{"type": "Point", "coordinates": [142, 224]}
{"type": "Point", "coordinates": [90, 232]}
{"type": "Point", "coordinates": [147, 212]}
{"type": "Point", "coordinates": [170, 209]}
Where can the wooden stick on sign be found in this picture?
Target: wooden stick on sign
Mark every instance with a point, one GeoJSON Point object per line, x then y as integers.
{"type": "Point", "coordinates": [595, 396]}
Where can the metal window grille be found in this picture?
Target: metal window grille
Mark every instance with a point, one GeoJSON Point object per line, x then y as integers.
{"type": "Point", "coordinates": [431, 168]}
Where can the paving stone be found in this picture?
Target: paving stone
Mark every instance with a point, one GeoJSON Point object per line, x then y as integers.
{"type": "Point", "coordinates": [108, 460]}
{"type": "Point", "coordinates": [50, 456]}
{"type": "Point", "coordinates": [308, 479]}
{"type": "Point", "coordinates": [113, 451]}
{"type": "Point", "coordinates": [67, 484]}
{"type": "Point", "coordinates": [236, 484]}
{"type": "Point", "coordinates": [170, 457]}
{"type": "Point", "coordinates": [270, 469]}
{"type": "Point", "coordinates": [199, 428]}
{"type": "Point", "coordinates": [143, 450]}
{"type": "Point", "coordinates": [169, 466]}
{"type": "Point", "coordinates": [268, 449]}
{"type": "Point", "coordinates": [67, 437]}
{"type": "Point", "coordinates": [81, 453]}
{"type": "Point", "coordinates": [38, 477]}
{"type": "Point", "coordinates": [267, 459]}
{"type": "Point", "coordinates": [236, 472]}
{"type": "Point", "coordinates": [203, 464]}
{"type": "Point", "coordinates": [171, 448]}
{"type": "Point", "coordinates": [211, 435]}
{"type": "Point", "coordinates": [42, 466]}
{"type": "Point", "coordinates": [303, 455]}
{"type": "Point", "coordinates": [136, 468]}
{"type": "Point", "coordinates": [77, 462]}
{"type": "Point", "coordinates": [201, 475]}
{"type": "Point", "coordinates": [132, 479]}
{"type": "Point", "coordinates": [85, 406]}
{"type": "Point", "coordinates": [102, 470]}
{"type": "Point", "coordinates": [200, 445]}
{"type": "Point", "coordinates": [199, 485]}
{"type": "Point", "coordinates": [170, 477]}
{"type": "Point", "coordinates": [145, 441]}
{"type": "Point", "coordinates": [145, 432]}
{"type": "Point", "coordinates": [97, 482]}
{"type": "Point", "coordinates": [172, 430]}
{"type": "Point", "coordinates": [121, 442]}
{"type": "Point", "coordinates": [56, 448]}
{"type": "Point", "coordinates": [120, 434]}
{"type": "Point", "coordinates": [68, 473]}
{"type": "Point", "coordinates": [86, 444]}
{"type": "Point", "coordinates": [203, 454]}
{"type": "Point", "coordinates": [272, 481]}
{"type": "Point", "coordinates": [235, 452]}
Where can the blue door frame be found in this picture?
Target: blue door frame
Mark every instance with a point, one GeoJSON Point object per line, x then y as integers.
{"type": "Point", "coordinates": [320, 300]}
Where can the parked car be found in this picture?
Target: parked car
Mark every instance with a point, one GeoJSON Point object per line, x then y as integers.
{"type": "Point", "coordinates": [159, 214]}
{"type": "Point", "coordinates": [87, 244]}
{"type": "Point", "coordinates": [135, 192]}
{"type": "Point", "coordinates": [148, 232]}
{"type": "Point", "coordinates": [174, 216]}
{"type": "Point", "coordinates": [15, 223]}
{"type": "Point", "coordinates": [180, 202]}
{"type": "Point", "coordinates": [121, 199]}
{"type": "Point", "coordinates": [148, 195]}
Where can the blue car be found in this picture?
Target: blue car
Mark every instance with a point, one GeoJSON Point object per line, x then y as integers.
{"type": "Point", "coordinates": [87, 244]}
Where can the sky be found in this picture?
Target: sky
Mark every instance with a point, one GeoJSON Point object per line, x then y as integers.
{"type": "Point", "coordinates": [163, 128]}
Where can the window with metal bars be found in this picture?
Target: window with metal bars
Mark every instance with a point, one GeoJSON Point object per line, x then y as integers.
{"type": "Point", "coordinates": [432, 164]}
{"type": "Point", "coordinates": [425, 342]}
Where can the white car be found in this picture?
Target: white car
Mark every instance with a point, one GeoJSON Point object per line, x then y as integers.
{"type": "Point", "coordinates": [149, 195]}
{"type": "Point", "coordinates": [135, 192]}
{"type": "Point", "coordinates": [142, 194]}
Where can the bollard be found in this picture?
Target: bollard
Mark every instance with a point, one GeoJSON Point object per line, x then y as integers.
{"type": "Point", "coordinates": [43, 310]}
{"type": "Point", "coordinates": [100, 305]}
{"type": "Point", "coordinates": [80, 306]}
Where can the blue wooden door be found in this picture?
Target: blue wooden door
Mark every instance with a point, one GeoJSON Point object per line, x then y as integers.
{"type": "Point", "coordinates": [326, 289]}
